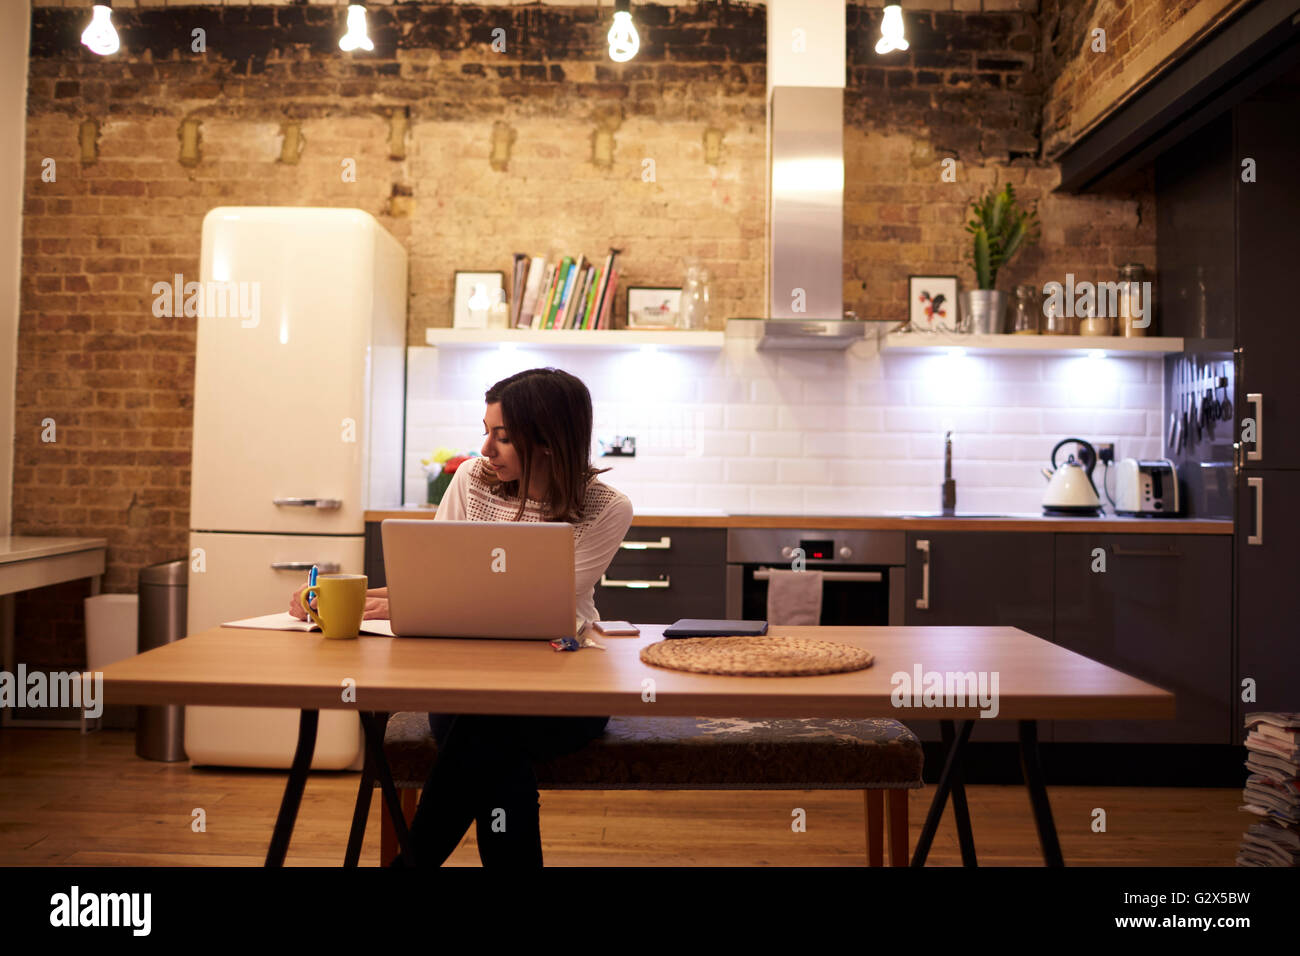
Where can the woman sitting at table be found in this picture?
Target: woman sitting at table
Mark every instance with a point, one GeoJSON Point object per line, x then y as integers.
{"type": "Point", "coordinates": [538, 436]}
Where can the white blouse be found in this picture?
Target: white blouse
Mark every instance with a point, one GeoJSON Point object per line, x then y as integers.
{"type": "Point", "coordinates": [607, 514]}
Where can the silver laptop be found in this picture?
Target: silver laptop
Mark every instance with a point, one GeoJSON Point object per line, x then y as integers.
{"type": "Point", "coordinates": [494, 579]}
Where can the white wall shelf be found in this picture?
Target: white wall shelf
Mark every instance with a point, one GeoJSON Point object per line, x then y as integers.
{"type": "Point", "coordinates": [1111, 345]}
{"type": "Point", "coordinates": [574, 338]}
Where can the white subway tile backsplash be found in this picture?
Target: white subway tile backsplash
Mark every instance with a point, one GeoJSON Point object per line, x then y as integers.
{"type": "Point", "coordinates": [839, 418]}
{"type": "Point", "coordinates": [750, 417]}
{"type": "Point", "coordinates": [775, 499]}
{"type": "Point", "coordinates": [724, 444]}
{"type": "Point", "coordinates": [775, 444]}
{"type": "Point", "coordinates": [1018, 421]}
{"type": "Point", "coordinates": [802, 471]}
{"type": "Point", "coordinates": [811, 432]}
{"type": "Point", "coordinates": [751, 471]}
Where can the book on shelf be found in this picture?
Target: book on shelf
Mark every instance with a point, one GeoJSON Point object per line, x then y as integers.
{"type": "Point", "coordinates": [575, 289]}
{"type": "Point", "coordinates": [528, 303]}
{"type": "Point", "coordinates": [567, 293]}
{"type": "Point", "coordinates": [562, 288]}
{"type": "Point", "coordinates": [592, 287]}
{"type": "Point", "coordinates": [544, 298]}
{"type": "Point", "coordinates": [606, 310]}
{"type": "Point", "coordinates": [517, 285]}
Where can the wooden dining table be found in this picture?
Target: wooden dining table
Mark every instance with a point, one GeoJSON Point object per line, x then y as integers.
{"type": "Point", "coordinates": [377, 676]}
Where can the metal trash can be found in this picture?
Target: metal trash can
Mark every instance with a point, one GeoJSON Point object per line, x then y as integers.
{"type": "Point", "coordinates": [164, 587]}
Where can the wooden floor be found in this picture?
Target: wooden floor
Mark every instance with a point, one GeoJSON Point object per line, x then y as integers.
{"type": "Point", "coordinates": [69, 799]}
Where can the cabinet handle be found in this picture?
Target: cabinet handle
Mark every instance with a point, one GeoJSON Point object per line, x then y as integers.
{"type": "Point", "coordinates": [1119, 549]}
{"type": "Point", "coordinates": [1257, 453]}
{"type": "Point", "coordinates": [607, 583]}
{"type": "Point", "coordinates": [325, 567]}
{"type": "Point", "coordinates": [923, 602]}
{"type": "Point", "coordinates": [322, 503]}
{"type": "Point", "coordinates": [1258, 536]}
{"type": "Point", "coordinates": [762, 575]}
{"type": "Point", "coordinates": [664, 543]}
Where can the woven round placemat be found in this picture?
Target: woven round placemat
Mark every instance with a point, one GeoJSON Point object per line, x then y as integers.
{"type": "Point", "coordinates": [756, 656]}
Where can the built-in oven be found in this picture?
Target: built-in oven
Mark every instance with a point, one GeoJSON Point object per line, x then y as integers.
{"type": "Point", "coordinates": [862, 572]}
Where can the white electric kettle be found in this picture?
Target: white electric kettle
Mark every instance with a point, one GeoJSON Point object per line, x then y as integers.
{"type": "Point", "coordinates": [1070, 490]}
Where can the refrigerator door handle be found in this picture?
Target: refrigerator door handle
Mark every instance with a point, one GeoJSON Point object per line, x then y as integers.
{"type": "Point", "coordinates": [323, 503]}
{"type": "Point", "coordinates": [325, 567]}
{"type": "Point", "coordinates": [1258, 536]}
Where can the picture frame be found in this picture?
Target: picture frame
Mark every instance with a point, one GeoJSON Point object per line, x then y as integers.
{"type": "Point", "coordinates": [653, 307]}
{"type": "Point", "coordinates": [922, 292]}
{"type": "Point", "coordinates": [463, 316]}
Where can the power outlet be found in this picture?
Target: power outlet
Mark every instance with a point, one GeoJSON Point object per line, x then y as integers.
{"type": "Point", "coordinates": [1106, 453]}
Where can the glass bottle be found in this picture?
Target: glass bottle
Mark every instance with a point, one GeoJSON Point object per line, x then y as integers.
{"type": "Point", "coordinates": [1093, 323]}
{"type": "Point", "coordinates": [1028, 309]}
{"type": "Point", "coordinates": [1134, 290]}
{"type": "Point", "coordinates": [694, 312]}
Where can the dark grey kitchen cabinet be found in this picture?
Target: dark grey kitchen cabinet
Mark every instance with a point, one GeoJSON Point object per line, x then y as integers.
{"type": "Point", "coordinates": [1268, 639]}
{"type": "Point", "coordinates": [661, 574]}
{"type": "Point", "coordinates": [1268, 336]}
{"type": "Point", "coordinates": [1160, 611]}
{"type": "Point", "coordinates": [980, 577]}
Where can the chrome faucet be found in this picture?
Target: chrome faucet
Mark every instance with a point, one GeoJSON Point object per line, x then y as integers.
{"type": "Point", "coordinates": [949, 486]}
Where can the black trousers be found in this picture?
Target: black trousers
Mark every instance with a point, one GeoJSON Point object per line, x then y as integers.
{"type": "Point", "coordinates": [484, 775]}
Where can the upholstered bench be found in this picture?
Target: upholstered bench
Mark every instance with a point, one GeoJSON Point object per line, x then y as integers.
{"type": "Point", "coordinates": [878, 756]}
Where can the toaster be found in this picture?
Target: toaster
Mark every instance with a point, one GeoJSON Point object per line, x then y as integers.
{"type": "Point", "coordinates": [1146, 487]}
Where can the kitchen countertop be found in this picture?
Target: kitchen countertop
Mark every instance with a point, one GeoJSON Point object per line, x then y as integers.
{"type": "Point", "coordinates": [702, 518]}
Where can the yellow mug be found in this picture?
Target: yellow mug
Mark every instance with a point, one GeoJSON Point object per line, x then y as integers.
{"type": "Point", "coordinates": [341, 603]}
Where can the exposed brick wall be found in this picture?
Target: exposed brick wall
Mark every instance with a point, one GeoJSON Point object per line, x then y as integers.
{"type": "Point", "coordinates": [1142, 37]}
{"type": "Point", "coordinates": [119, 382]}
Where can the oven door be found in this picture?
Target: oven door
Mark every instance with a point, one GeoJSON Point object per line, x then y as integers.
{"type": "Point", "coordinates": [862, 595]}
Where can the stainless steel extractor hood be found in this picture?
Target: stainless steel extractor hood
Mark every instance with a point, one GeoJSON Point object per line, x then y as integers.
{"type": "Point", "coordinates": [805, 294]}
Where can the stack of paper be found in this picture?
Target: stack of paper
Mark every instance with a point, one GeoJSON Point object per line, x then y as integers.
{"type": "Point", "coordinates": [1272, 790]}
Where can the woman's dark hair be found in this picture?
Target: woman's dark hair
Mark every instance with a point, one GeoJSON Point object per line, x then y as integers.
{"type": "Point", "coordinates": [547, 408]}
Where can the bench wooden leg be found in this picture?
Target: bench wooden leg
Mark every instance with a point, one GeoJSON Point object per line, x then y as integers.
{"type": "Point", "coordinates": [387, 832]}
{"type": "Point", "coordinates": [897, 800]}
{"type": "Point", "coordinates": [875, 827]}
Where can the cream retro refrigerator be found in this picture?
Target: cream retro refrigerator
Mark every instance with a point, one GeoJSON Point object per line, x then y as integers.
{"type": "Point", "coordinates": [298, 408]}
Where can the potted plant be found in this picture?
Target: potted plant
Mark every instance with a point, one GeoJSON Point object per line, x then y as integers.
{"type": "Point", "coordinates": [1000, 229]}
{"type": "Point", "coordinates": [439, 467]}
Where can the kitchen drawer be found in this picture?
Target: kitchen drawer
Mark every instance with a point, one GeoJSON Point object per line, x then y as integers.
{"type": "Point", "coordinates": [691, 592]}
{"type": "Point", "coordinates": [671, 547]}
{"type": "Point", "coordinates": [1162, 612]}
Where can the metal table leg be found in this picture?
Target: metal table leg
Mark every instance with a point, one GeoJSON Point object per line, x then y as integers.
{"type": "Point", "coordinates": [307, 722]}
{"type": "Point", "coordinates": [961, 813]}
{"type": "Point", "coordinates": [376, 766]}
{"type": "Point", "coordinates": [1033, 771]}
{"type": "Point", "coordinates": [361, 811]}
{"type": "Point", "coordinates": [956, 754]}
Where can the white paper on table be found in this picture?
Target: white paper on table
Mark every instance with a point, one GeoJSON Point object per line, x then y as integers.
{"type": "Point", "coordinates": [284, 621]}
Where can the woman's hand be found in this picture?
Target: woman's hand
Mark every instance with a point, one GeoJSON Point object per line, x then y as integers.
{"type": "Point", "coordinates": [376, 607]}
{"type": "Point", "coordinates": [295, 608]}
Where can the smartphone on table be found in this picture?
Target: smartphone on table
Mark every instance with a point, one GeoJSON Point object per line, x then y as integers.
{"type": "Point", "coordinates": [616, 628]}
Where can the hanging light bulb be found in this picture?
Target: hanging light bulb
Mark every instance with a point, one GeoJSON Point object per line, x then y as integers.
{"type": "Point", "coordinates": [623, 39]}
{"type": "Point", "coordinates": [891, 30]}
{"type": "Point", "coordinates": [355, 38]}
{"type": "Point", "coordinates": [100, 35]}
